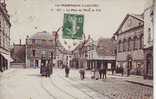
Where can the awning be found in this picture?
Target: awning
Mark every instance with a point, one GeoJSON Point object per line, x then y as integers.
{"type": "Point", "coordinates": [7, 57]}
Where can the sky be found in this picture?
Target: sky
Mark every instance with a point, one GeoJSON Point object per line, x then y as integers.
{"type": "Point", "coordinates": [31, 16]}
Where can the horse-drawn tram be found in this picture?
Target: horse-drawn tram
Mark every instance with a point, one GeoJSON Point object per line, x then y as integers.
{"type": "Point", "coordinates": [46, 67]}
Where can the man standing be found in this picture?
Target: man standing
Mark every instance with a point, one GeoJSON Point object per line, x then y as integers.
{"type": "Point", "coordinates": [82, 73]}
{"type": "Point", "coordinates": [67, 70]}
{"type": "Point", "coordinates": [104, 71]}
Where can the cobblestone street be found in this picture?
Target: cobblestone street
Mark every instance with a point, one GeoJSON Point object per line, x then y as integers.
{"type": "Point", "coordinates": [28, 84]}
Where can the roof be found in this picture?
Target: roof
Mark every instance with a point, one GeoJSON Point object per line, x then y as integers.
{"type": "Point", "coordinates": [137, 16]}
{"type": "Point", "coordinates": [105, 47]}
{"type": "Point", "coordinates": [85, 43]}
{"type": "Point", "coordinates": [140, 17]}
{"type": "Point", "coordinates": [42, 35]}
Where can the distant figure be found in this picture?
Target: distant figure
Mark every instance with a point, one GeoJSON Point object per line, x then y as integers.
{"type": "Point", "coordinates": [100, 71]}
{"type": "Point", "coordinates": [103, 72]}
{"type": "Point", "coordinates": [1, 69]}
{"type": "Point", "coordinates": [96, 74]}
{"type": "Point", "coordinates": [66, 71]}
{"type": "Point", "coordinates": [113, 69]}
{"type": "Point", "coordinates": [49, 68]}
{"type": "Point", "coordinates": [122, 70]}
{"type": "Point", "coordinates": [82, 73]}
{"type": "Point", "coordinates": [93, 73]}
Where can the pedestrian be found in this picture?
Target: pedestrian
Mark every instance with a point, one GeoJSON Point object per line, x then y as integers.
{"type": "Point", "coordinates": [122, 70]}
{"type": "Point", "coordinates": [104, 72]}
{"type": "Point", "coordinates": [1, 69]}
{"type": "Point", "coordinates": [49, 69]}
{"type": "Point", "coordinates": [100, 71]}
{"type": "Point", "coordinates": [93, 73]}
{"type": "Point", "coordinates": [82, 73]}
{"type": "Point", "coordinates": [113, 69]}
{"type": "Point", "coordinates": [96, 74]}
{"type": "Point", "coordinates": [66, 71]}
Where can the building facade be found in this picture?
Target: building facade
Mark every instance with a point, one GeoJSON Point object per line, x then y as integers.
{"type": "Point", "coordinates": [38, 46]}
{"type": "Point", "coordinates": [129, 37]}
{"type": "Point", "coordinates": [105, 54]}
{"type": "Point", "coordinates": [91, 54]}
{"type": "Point", "coordinates": [18, 55]}
{"type": "Point", "coordinates": [80, 54]}
{"type": "Point", "coordinates": [4, 37]}
{"type": "Point", "coordinates": [148, 39]}
{"type": "Point", "coordinates": [63, 57]}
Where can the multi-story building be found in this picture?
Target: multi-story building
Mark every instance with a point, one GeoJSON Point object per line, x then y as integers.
{"type": "Point", "coordinates": [129, 38]}
{"type": "Point", "coordinates": [105, 53]}
{"type": "Point", "coordinates": [38, 46]}
{"type": "Point", "coordinates": [4, 37]}
{"type": "Point", "coordinates": [91, 54]}
{"type": "Point", "coordinates": [63, 57]}
{"type": "Point", "coordinates": [148, 39]}
{"type": "Point", "coordinates": [80, 54]}
{"type": "Point", "coordinates": [45, 45]}
{"type": "Point", "coordinates": [18, 55]}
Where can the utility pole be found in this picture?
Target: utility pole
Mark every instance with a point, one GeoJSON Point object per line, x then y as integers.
{"type": "Point", "coordinates": [55, 34]}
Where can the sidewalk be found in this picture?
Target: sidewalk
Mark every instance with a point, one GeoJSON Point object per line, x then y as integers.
{"type": "Point", "coordinates": [134, 79]}
{"type": "Point", "coordinates": [6, 71]}
{"type": "Point", "coordinates": [131, 79]}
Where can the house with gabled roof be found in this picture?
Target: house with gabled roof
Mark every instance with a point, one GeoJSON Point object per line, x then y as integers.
{"type": "Point", "coordinates": [129, 36]}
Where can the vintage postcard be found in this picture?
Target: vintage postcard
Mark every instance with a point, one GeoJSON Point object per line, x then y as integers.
{"type": "Point", "coordinates": [76, 49]}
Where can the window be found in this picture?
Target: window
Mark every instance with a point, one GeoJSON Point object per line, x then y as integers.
{"type": "Point", "coordinates": [139, 23]}
{"type": "Point", "coordinates": [43, 41]}
{"type": "Point", "coordinates": [93, 46]}
{"type": "Point", "coordinates": [131, 44]}
{"type": "Point", "coordinates": [33, 52]}
{"type": "Point", "coordinates": [135, 43]}
{"type": "Point", "coordinates": [125, 45]}
{"type": "Point", "coordinates": [119, 46]}
{"type": "Point", "coordinates": [3, 42]}
{"type": "Point", "coordinates": [149, 35]}
{"type": "Point", "coordinates": [33, 41]}
{"type": "Point", "coordinates": [141, 42]}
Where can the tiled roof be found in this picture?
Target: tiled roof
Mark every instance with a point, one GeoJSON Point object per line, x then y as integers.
{"type": "Point", "coordinates": [105, 47]}
{"type": "Point", "coordinates": [42, 35]}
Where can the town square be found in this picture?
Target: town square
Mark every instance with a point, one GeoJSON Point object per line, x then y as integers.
{"type": "Point", "coordinates": [71, 49]}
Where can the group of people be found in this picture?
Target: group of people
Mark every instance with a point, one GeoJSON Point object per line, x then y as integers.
{"type": "Point", "coordinates": [101, 73]}
{"type": "Point", "coordinates": [46, 69]}
{"type": "Point", "coordinates": [97, 73]}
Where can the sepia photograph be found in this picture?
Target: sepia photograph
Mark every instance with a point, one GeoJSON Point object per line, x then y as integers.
{"type": "Point", "coordinates": [77, 49]}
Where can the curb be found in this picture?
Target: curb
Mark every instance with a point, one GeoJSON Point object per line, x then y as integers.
{"type": "Point", "coordinates": [140, 83]}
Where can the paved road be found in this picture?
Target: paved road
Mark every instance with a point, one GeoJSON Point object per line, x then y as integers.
{"type": "Point", "coordinates": [28, 84]}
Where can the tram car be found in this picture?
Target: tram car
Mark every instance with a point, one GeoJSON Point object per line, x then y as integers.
{"type": "Point", "coordinates": [46, 68]}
